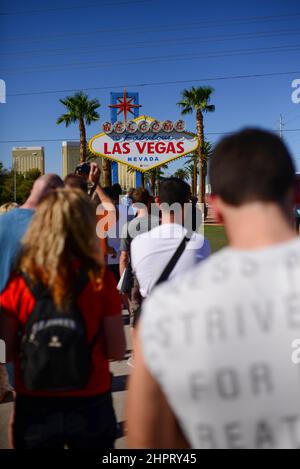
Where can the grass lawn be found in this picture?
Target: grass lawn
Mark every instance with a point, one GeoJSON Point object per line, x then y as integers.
{"type": "Point", "coordinates": [216, 236]}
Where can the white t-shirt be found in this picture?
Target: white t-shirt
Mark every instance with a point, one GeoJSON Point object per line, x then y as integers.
{"type": "Point", "coordinates": [151, 252]}
{"type": "Point", "coordinates": [221, 343]}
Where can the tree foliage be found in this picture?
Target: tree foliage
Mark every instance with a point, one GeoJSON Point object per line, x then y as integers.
{"type": "Point", "coordinates": [198, 100]}
{"type": "Point", "coordinates": [182, 173]}
{"type": "Point", "coordinates": [24, 183]}
{"type": "Point", "coordinates": [82, 110]}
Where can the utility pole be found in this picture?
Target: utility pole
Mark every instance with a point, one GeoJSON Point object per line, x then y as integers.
{"type": "Point", "coordinates": [281, 125]}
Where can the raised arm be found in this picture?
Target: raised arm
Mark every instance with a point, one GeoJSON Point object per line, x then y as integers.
{"type": "Point", "coordinates": [94, 178]}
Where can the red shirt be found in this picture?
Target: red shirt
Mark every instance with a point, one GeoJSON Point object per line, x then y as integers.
{"type": "Point", "coordinates": [94, 305]}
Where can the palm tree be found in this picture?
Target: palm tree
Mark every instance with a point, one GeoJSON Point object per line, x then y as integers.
{"type": "Point", "coordinates": [198, 100]}
{"type": "Point", "coordinates": [193, 169]}
{"type": "Point", "coordinates": [80, 109]}
{"type": "Point", "coordinates": [207, 152]}
{"type": "Point", "coordinates": [150, 177]}
{"type": "Point", "coordinates": [182, 173]}
{"type": "Point", "coordinates": [154, 177]}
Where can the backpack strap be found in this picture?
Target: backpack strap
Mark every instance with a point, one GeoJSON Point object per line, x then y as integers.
{"type": "Point", "coordinates": [39, 290]}
{"type": "Point", "coordinates": [173, 261]}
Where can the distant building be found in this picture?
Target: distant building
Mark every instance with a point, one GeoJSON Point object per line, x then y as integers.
{"type": "Point", "coordinates": [26, 158]}
{"type": "Point", "coordinates": [71, 158]}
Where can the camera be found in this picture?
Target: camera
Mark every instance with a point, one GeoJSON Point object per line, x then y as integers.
{"type": "Point", "coordinates": [83, 169]}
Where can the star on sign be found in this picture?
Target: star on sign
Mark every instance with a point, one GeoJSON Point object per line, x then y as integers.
{"type": "Point", "coordinates": [125, 105]}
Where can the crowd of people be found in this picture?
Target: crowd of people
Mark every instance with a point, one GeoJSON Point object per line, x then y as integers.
{"type": "Point", "coordinates": [212, 333]}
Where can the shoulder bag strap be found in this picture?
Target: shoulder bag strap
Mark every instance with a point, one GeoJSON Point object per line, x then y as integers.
{"type": "Point", "coordinates": [173, 261]}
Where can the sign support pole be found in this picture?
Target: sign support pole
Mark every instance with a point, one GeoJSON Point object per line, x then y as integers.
{"type": "Point", "coordinates": [114, 117]}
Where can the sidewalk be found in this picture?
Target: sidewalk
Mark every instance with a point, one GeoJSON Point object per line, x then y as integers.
{"type": "Point", "coordinates": [5, 412]}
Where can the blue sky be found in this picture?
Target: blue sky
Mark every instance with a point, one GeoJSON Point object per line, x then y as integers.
{"type": "Point", "coordinates": [113, 43]}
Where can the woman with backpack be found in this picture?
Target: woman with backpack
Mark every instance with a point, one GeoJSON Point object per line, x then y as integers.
{"type": "Point", "coordinates": [6, 391]}
{"type": "Point", "coordinates": [61, 320]}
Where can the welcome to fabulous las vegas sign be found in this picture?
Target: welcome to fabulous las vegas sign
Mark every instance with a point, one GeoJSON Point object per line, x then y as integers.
{"type": "Point", "coordinates": [143, 143]}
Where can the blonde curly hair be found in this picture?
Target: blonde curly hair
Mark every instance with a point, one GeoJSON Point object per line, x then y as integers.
{"type": "Point", "coordinates": [62, 230]}
{"type": "Point", "coordinates": [8, 207]}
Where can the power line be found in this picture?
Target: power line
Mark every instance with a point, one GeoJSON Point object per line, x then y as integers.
{"type": "Point", "coordinates": [158, 83]}
{"type": "Point", "coordinates": [154, 59]}
{"type": "Point", "coordinates": [291, 130]}
{"type": "Point", "coordinates": [161, 27]}
{"type": "Point", "coordinates": [142, 44]}
{"type": "Point", "coordinates": [39, 140]}
{"type": "Point", "coordinates": [72, 7]}
{"type": "Point", "coordinates": [76, 139]}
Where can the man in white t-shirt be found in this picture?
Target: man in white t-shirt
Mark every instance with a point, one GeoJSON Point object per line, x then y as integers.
{"type": "Point", "coordinates": [217, 360]}
{"type": "Point", "coordinates": [151, 251]}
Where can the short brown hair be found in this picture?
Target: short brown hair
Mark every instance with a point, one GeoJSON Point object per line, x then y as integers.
{"type": "Point", "coordinates": [252, 165]}
{"type": "Point", "coordinates": [140, 196]}
{"type": "Point", "coordinates": [174, 190]}
{"type": "Point", "coordinates": [74, 181]}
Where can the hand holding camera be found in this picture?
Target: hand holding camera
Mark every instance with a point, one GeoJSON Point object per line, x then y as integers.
{"type": "Point", "coordinates": [94, 173]}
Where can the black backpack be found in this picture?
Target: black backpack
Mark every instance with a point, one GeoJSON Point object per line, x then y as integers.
{"type": "Point", "coordinates": [55, 354]}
